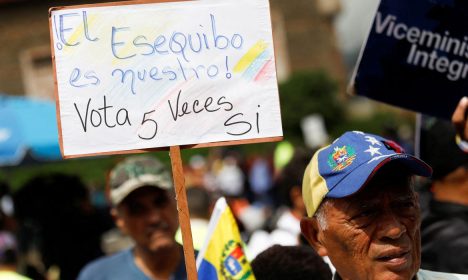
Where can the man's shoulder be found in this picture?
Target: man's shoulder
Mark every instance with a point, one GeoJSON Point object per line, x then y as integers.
{"type": "Point", "coordinates": [434, 275]}
{"type": "Point", "coordinates": [117, 266]}
{"type": "Point", "coordinates": [110, 261]}
{"type": "Point", "coordinates": [447, 223]}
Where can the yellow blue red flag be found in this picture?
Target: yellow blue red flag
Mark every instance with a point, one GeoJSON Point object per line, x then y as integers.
{"type": "Point", "coordinates": [222, 255]}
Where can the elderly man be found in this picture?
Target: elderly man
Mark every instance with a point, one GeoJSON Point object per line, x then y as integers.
{"type": "Point", "coordinates": [140, 191]}
{"type": "Point", "coordinates": [362, 211]}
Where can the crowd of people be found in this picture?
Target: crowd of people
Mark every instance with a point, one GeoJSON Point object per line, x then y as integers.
{"type": "Point", "coordinates": [350, 210]}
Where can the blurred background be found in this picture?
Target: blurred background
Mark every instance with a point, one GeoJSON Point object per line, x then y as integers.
{"type": "Point", "coordinates": [58, 208]}
{"type": "Point", "coordinates": [317, 43]}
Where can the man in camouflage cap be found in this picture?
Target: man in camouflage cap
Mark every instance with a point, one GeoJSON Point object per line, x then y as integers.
{"type": "Point", "coordinates": [141, 193]}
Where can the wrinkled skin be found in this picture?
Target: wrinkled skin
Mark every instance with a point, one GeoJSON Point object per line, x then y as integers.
{"type": "Point", "coordinates": [372, 234]}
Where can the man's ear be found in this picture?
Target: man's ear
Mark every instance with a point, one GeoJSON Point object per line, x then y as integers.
{"type": "Point", "coordinates": [119, 221]}
{"type": "Point", "coordinates": [312, 232]}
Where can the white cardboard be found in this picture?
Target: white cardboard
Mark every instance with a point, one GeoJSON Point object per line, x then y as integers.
{"type": "Point", "coordinates": [142, 58]}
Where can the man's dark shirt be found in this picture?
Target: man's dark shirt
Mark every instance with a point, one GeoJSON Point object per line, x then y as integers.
{"type": "Point", "coordinates": [444, 237]}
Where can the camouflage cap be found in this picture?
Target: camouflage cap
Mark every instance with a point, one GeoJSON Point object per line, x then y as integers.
{"type": "Point", "coordinates": [135, 172]}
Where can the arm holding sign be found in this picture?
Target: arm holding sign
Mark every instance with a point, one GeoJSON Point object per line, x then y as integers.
{"type": "Point", "coordinates": [459, 120]}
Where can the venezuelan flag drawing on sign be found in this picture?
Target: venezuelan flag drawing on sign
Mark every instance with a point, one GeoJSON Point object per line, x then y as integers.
{"type": "Point", "coordinates": [222, 256]}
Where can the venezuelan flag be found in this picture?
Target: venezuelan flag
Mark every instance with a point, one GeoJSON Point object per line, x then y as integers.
{"type": "Point", "coordinates": [222, 256]}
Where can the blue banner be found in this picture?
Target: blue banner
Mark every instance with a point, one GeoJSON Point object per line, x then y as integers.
{"type": "Point", "coordinates": [416, 56]}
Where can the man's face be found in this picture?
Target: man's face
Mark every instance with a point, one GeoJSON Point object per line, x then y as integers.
{"type": "Point", "coordinates": [373, 234]}
{"type": "Point", "coordinates": [149, 216]}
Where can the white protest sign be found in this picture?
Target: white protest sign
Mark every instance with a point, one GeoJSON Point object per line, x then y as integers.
{"type": "Point", "coordinates": [136, 76]}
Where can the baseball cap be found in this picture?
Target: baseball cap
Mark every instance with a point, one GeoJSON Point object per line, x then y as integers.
{"type": "Point", "coordinates": [342, 168]}
{"type": "Point", "coordinates": [136, 172]}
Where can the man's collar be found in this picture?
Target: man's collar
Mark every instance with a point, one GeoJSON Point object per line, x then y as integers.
{"type": "Point", "coordinates": [448, 208]}
{"type": "Point", "coordinates": [337, 277]}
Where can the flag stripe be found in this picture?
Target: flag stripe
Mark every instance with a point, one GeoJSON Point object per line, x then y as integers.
{"type": "Point", "coordinates": [207, 271]}
{"type": "Point", "coordinates": [222, 256]}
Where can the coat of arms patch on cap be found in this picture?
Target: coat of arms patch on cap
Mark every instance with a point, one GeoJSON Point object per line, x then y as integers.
{"type": "Point", "coordinates": [341, 157]}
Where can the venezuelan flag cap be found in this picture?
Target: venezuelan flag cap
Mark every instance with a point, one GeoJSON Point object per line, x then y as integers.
{"type": "Point", "coordinates": [344, 167]}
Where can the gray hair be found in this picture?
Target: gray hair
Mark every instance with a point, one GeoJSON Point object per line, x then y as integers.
{"type": "Point", "coordinates": [320, 214]}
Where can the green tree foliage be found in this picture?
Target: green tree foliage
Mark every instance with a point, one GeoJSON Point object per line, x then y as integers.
{"type": "Point", "coordinates": [306, 93]}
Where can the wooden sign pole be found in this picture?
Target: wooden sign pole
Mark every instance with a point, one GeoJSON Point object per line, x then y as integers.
{"type": "Point", "coordinates": [182, 209]}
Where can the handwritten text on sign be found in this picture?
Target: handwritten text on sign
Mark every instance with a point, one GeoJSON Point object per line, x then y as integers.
{"type": "Point", "coordinates": [163, 74]}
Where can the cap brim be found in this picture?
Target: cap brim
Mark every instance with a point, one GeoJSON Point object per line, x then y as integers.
{"type": "Point", "coordinates": [363, 173]}
{"type": "Point", "coordinates": [120, 193]}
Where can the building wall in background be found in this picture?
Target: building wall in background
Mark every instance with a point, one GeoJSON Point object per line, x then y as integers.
{"type": "Point", "coordinates": [303, 31]}
{"type": "Point", "coordinates": [23, 28]}
{"type": "Point", "coordinates": [310, 36]}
